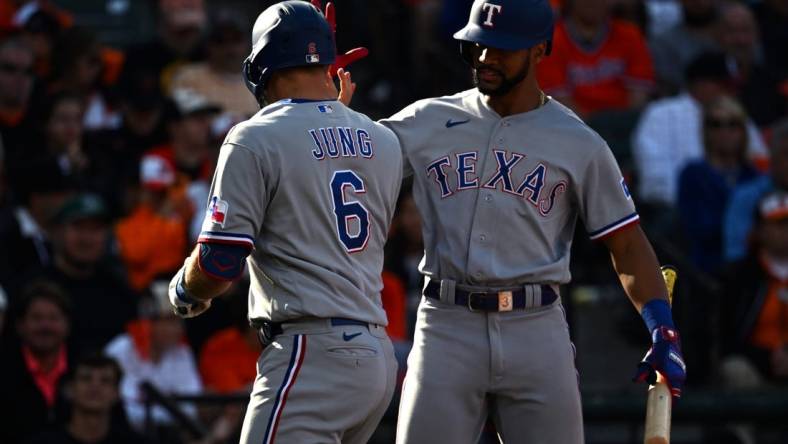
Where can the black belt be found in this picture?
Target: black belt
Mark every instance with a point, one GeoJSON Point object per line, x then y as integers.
{"type": "Point", "coordinates": [267, 331]}
{"type": "Point", "coordinates": [494, 300]}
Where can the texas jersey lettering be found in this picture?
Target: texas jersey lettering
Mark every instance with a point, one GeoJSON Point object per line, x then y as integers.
{"type": "Point", "coordinates": [483, 183]}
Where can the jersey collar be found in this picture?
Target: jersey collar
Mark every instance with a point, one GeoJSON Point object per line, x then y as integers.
{"type": "Point", "coordinates": [295, 101]}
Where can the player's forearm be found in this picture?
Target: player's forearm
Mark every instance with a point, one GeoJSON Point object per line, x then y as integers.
{"type": "Point", "coordinates": [637, 266]}
{"type": "Point", "coordinates": [198, 284]}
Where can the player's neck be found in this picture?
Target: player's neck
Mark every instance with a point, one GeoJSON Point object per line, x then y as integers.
{"type": "Point", "coordinates": [309, 87]}
{"type": "Point", "coordinates": [525, 97]}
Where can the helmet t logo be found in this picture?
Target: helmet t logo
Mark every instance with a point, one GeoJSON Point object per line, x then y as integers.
{"type": "Point", "coordinates": [491, 9]}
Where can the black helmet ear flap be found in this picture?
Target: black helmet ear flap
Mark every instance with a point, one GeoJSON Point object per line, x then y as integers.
{"type": "Point", "coordinates": [252, 76]}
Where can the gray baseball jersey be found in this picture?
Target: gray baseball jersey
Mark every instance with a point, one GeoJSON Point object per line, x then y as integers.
{"type": "Point", "coordinates": [500, 196]}
{"type": "Point", "coordinates": [312, 186]}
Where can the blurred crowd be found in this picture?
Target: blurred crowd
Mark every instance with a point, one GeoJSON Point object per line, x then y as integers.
{"type": "Point", "coordinates": [108, 151]}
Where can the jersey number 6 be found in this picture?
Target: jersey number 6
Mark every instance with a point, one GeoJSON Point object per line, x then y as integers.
{"type": "Point", "coordinates": [346, 211]}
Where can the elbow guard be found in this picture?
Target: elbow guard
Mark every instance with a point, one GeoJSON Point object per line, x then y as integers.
{"type": "Point", "coordinates": [223, 262]}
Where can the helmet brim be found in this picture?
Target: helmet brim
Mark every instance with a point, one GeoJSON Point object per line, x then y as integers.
{"type": "Point", "coordinates": [474, 33]}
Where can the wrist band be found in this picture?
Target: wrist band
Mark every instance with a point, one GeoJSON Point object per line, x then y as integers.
{"type": "Point", "coordinates": [181, 292]}
{"type": "Point", "coordinates": [656, 313]}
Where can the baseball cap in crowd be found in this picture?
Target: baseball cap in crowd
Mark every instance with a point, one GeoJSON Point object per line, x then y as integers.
{"type": "Point", "coordinates": [184, 13]}
{"type": "Point", "coordinates": [81, 207]}
{"type": "Point", "coordinates": [156, 172]}
{"type": "Point", "coordinates": [189, 102]}
{"type": "Point", "coordinates": [774, 206]}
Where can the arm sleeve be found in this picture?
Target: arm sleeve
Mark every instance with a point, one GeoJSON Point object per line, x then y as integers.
{"type": "Point", "coordinates": [238, 198]}
{"type": "Point", "coordinates": [604, 200]}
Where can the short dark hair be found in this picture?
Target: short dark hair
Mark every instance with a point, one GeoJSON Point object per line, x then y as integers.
{"type": "Point", "coordinates": [98, 361]}
{"type": "Point", "coordinates": [43, 290]}
{"type": "Point", "coordinates": [707, 66]}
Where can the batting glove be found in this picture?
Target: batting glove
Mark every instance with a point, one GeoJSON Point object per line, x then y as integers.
{"type": "Point", "coordinates": [349, 57]}
{"type": "Point", "coordinates": [185, 305]}
{"type": "Point", "coordinates": [664, 357]}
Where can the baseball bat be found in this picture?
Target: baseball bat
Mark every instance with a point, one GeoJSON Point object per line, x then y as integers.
{"type": "Point", "coordinates": [658, 405]}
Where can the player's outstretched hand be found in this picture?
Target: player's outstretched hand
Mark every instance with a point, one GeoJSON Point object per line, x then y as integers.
{"type": "Point", "coordinates": [346, 87]}
{"type": "Point", "coordinates": [182, 303]}
{"type": "Point", "coordinates": [343, 60]}
{"type": "Point", "coordinates": [664, 357]}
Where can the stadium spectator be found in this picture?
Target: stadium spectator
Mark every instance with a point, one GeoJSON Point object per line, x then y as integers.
{"type": "Point", "coordinates": [93, 394]}
{"type": "Point", "coordinates": [599, 63]}
{"type": "Point", "coordinates": [41, 29]}
{"type": "Point", "coordinates": [705, 184]}
{"type": "Point", "coordinates": [772, 16]}
{"type": "Point", "coordinates": [117, 151]}
{"type": "Point", "coordinates": [40, 188]}
{"type": "Point", "coordinates": [662, 15]}
{"type": "Point", "coordinates": [103, 302]}
{"type": "Point", "coordinates": [668, 134]}
{"type": "Point", "coordinates": [16, 86]}
{"type": "Point", "coordinates": [153, 349]}
{"type": "Point", "coordinates": [62, 137]}
{"type": "Point", "coordinates": [675, 48]}
{"type": "Point", "coordinates": [755, 302]}
{"type": "Point", "coordinates": [180, 28]}
{"type": "Point", "coordinates": [217, 78]}
{"type": "Point", "coordinates": [191, 149]}
{"type": "Point", "coordinates": [60, 118]}
{"type": "Point", "coordinates": [31, 376]}
{"type": "Point", "coordinates": [77, 69]}
{"type": "Point", "coordinates": [229, 358]}
{"type": "Point", "coordinates": [756, 86]}
{"type": "Point", "coordinates": [743, 202]}
{"type": "Point", "coordinates": [152, 238]}
{"type": "Point", "coordinates": [14, 14]}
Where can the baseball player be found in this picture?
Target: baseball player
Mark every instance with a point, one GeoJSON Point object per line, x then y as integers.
{"type": "Point", "coordinates": [304, 191]}
{"type": "Point", "coordinates": [501, 175]}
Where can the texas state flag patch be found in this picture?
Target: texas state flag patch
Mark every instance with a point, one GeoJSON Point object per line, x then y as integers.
{"type": "Point", "coordinates": [218, 211]}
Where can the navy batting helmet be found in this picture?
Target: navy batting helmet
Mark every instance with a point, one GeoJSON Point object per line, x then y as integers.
{"type": "Point", "coordinates": [507, 24]}
{"type": "Point", "coordinates": [288, 34]}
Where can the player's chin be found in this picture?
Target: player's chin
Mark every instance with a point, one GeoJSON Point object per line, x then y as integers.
{"type": "Point", "coordinates": [490, 89]}
{"type": "Point", "coordinates": [487, 86]}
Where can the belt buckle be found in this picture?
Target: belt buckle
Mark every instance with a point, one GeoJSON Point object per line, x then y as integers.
{"type": "Point", "coordinates": [470, 297]}
{"type": "Point", "coordinates": [505, 301]}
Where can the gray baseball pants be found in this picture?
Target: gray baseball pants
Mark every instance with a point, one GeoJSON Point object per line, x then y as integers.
{"type": "Point", "coordinates": [321, 384]}
{"type": "Point", "coordinates": [517, 365]}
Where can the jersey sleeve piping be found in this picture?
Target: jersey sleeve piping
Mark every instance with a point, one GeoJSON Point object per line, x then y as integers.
{"type": "Point", "coordinates": [216, 237]}
{"type": "Point", "coordinates": [610, 229]}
